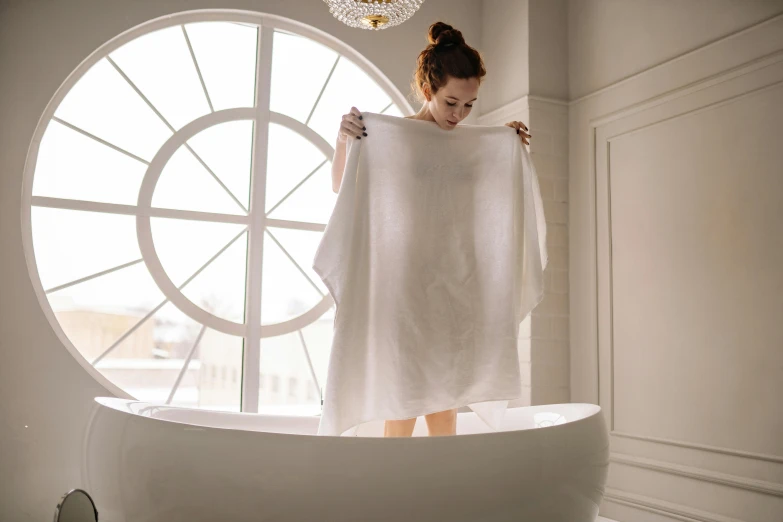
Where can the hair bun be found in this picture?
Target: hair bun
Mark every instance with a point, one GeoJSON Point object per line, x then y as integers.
{"type": "Point", "coordinates": [442, 34]}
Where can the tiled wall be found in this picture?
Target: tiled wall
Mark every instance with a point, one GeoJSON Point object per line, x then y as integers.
{"type": "Point", "coordinates": [544, 335]}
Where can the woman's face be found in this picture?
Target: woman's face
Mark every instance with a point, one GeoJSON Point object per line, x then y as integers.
{"type": "Point", "coordinates": [453, 102]}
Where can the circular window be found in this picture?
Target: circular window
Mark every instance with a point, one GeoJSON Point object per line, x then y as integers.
{"type": "Point", "coordinates": [176, 190]}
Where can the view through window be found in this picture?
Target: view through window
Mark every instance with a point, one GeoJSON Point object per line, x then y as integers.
{"type": "Point", "coordinates": [179, 193]}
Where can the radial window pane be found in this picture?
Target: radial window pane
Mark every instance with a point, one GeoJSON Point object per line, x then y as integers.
{"type": "Point", "coordinates": [72, 166]}
{"type": "Point", "coordinates": [127, 290]}
{"type": "Point", "coordinates": [287, 291]}
{"type": "Point", "coordinates": [291, 158]}
{"type": "Point", "coordinates": [312, 202]}
{"type": "Point", "coordinates": [349, 87]}
{"type": "Point", "coordinates": [301, 245]}
{"type": "Point", "coordinates": [184, 246]}
{"type": "Point", "coordinates": [160, 65]}
{"type": "Point", "coordinates": [289, 388]}
{"type": "Point", "coordinates": [104, 104]}
{"type": "Point", "coordinates": [226, 55]}
{"type": "Point", "coordinates": [300, 68]}
{"type": "Point", "coordinates": [220, 356]}
{"type": "Point", "coordinates": [227, 149]}
{"type": "Point", "coordinates": [185, 184]}
{"type": "Point", "coordinates": [97, 313]}
{"type": "Point", "coordinates": [318, 335]}
{"type": "Point", "coordinates": [148, 363]}
{"type": "Point", "coordinates": [220, 288]}
{"type": "Point", "coordinates": [70, 244]}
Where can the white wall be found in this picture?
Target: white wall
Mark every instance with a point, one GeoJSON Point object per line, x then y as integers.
{"type": "Point", "coordinates": [609, 40]}
{"type": "Point", "coordinates": [504, 58]}
{"type": "Point", "coordinates": [676, 252]}
{"type": "Point", "coordinates": [525, 48]}
{"type": "Point", "coordinates": [45, 395]}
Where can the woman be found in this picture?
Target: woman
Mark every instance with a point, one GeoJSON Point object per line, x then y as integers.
{"type": "Point", "coordinates": [447, 79]}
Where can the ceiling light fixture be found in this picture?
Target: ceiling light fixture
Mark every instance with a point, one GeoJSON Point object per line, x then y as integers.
{"type": "Point", "coordinates": [373, 14]}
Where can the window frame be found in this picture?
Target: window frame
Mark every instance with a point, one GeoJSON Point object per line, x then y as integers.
{"type": "Point", "coordinates": [267, 24]}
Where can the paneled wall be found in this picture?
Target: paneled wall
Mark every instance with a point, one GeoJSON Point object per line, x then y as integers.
{"type": "Point", "coordinates": [676, 243]}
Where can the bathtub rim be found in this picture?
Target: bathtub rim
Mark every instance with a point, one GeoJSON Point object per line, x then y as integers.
{"type": "Point", "coordinates": [117, 403]}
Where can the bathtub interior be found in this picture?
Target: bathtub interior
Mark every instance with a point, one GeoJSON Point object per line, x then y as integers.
{"type": "Point", "coordinates": [515, 418]}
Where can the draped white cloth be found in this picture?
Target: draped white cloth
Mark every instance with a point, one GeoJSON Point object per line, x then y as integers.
{"type": "Point", "coordinates": [434, 254]}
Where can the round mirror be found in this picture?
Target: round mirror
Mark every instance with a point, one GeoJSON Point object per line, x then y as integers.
{"type": "Point", "coordinates": [76, 506]}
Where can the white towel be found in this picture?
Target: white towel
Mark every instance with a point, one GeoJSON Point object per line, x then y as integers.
{"type": "Point", "coordinates": [434, 254]}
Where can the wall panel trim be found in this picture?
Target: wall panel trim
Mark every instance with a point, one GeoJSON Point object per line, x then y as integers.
{"type": "Point", "coordinates": [692, 445]}
{"type": "Point", "coordinates": [660, 507]}
{"type": "Point", "coordinates": [724, 479]}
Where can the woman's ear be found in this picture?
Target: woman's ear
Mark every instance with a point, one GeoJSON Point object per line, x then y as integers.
{"type": "Point", "coordinates": [426, 89]}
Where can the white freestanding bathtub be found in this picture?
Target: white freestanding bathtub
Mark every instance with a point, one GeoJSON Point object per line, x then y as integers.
{"type": "Point", "coordinates": [147, 462]}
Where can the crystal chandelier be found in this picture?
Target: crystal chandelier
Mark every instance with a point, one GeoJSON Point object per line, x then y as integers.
{"type": "Point", "coordinates": [373, 14]}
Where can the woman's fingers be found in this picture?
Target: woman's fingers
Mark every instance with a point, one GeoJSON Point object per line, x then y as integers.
{"type": "Point", "coordinates": [357, 117]}
{"type": "Point", "coordinates": [353, 123]}
{"type": "Point", "coordinates": [349, 126]}
{"type": "Point", "coordinates": [520, 127]}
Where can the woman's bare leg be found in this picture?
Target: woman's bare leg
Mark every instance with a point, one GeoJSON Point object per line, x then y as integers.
{"type": "Point", "coordinates": [399, 428]}
{"type": "Point", "coordinates": [442, 422]}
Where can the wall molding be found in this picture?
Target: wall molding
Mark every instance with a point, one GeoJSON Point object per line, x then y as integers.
{"type": "Point", "coordinates": [525, 103]}
{"type": "Point", "coordinates": [529, 101]}
{"type": "Point", "coordinates": [603, 130]}
{"type": "Point", "coordinates": [684, 90]}
{"type": "Point", "coordinates": [703, 447]}
{"type": "Point", "coordinates": [624, 108]}
{"type": "Point", "coordinates": [724, 479]}
{"type": "Point", "coordinates": [661, 507]}
{"type": "Point", "coordinates": [696, 77]}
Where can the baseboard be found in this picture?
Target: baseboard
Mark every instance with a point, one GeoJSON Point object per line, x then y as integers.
{"type": "Point", "coordinates": [604, 519]}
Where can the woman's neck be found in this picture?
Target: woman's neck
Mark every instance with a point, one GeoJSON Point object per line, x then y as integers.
{"type": "Point", "coordinates": [423, 114]}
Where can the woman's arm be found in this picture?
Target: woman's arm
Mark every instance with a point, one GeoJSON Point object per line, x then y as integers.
{"type": "Point", "coordinates": [350, 128]}
{"type": "Point", "coordinates": [338, 163]}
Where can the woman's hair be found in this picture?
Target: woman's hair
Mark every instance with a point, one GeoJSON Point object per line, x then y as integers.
{"type": "Point", "coordinates": [446, 55]}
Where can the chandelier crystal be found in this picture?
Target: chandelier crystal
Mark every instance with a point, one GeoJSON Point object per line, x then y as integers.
{"type": "Point", "coordinates": [373, 14]}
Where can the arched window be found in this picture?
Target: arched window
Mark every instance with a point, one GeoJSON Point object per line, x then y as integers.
{"type": "Point", "coordinates": [175, 193]}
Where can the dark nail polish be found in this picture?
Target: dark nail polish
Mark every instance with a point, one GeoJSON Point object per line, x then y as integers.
{"type": "Point", "coordinates": [361, 117]}
{"type": "Point", "coordinates": [358, 137]}
{"type": "Point", "coordinates": [517, 131]}
{"type": "Point", "coordinates": [364, 128]}
{"type": "Point", "coordinates": [364, 133]}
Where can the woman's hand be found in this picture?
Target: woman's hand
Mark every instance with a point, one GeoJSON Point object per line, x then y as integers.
{"type": "Point", "coordinates": [351, 126]}
{"type": "Point", "coordinates": [519, 126]}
